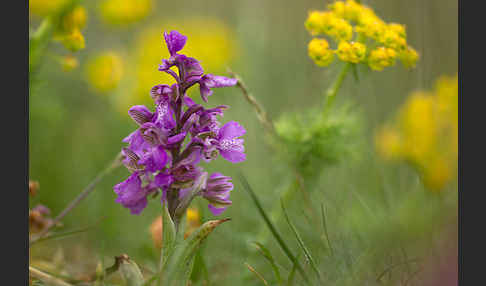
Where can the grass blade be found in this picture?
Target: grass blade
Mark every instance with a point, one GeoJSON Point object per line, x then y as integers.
{"type": "Point", "coordinates": [67, 233]}
{"type": "Point", "coordinates": [301, 243]}
{"type": "Point", "coordinates": [272, 228]}
{"type": "Point", "coordinates": [266, 253]}
{"type": "Point", "coordinates": [256, 273]}
{"type": "Point", "coordinates": [324, 225]}
{"type": "Point", "coordinates": [290, 279]}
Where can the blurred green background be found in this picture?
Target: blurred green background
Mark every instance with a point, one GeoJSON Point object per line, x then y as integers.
{"type": "Point", "coordinates": [372, 206]}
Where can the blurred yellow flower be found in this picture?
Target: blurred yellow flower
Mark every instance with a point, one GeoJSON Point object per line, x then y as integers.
{"type": "Point", "coordinates": [69, 32]}
{"type": "Point", "coordinates": [125, 12]}
{"type": "Point", "coordinates": [73, 41]}
{"type": "Point", "coordinates": [210, 41]}
{"type": "Point", "coordinates": [389, 143]}
{"type": "Point", "coordinates": [425, 134]}
{"type": "Point", "coordinates": [69, 63]}
{"type": "Point", "coordinates": [193, 222]}
{"type": "Point", "coordinates": [105, 71]}
{"type": "Point", "coordinates": [76, 19]}
{"type": "Point", "coordinates": [409, 57]}
{"type": "Point", "coordinates": [319, 51]}
{"type": "Point", "coordinates": [46, 7]}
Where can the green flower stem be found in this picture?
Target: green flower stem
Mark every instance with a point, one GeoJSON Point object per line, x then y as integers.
{"type": "Point", "coordinates": [38, 45]}
{"type": "Point", "coordinates": [331, 92]}
{"type": "Point", "coordinates": [260, 111]}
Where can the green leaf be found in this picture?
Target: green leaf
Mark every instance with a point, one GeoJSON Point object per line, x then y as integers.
{"type": "Point", "coordinates": [200, 270]}
{"type": "Point", "coordinates": [266, 253]}
{"type": "Point", "coordinates": [168, 235]}
{"type": "Point", "coordinates": [130, 272]}
{"type": "Point", "coordinates": [301, 243]}
{"type": "Point", "coordinates": [181, 260]}
{"type": "Point", "coordinates": [272, 228]}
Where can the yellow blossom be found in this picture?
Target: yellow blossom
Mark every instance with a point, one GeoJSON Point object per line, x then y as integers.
{"type": "Point", "coordinates": [73, 41]}
{"type": "Point", "coordinates": [328, 23]}
{"type": "Point", "coordinates": [349, 10]}
{"type": "Point", "coordinates": [46, 7]}
{"type": "Point", "coordinates": [437, 173]}
{"type": "Point", "coordinates": [69, 63]}
{"type": "Point", "coordinates": [371, 26]}
{"type": "Point", "coordinates": [319, 52]}
{"type": "Point", "coordinates": [340, 29]}
{"type": "Point", "coordinates": [418, 121]}
{"type": "Point", "coordinates": [392, 39]}
{"type": "Point", "coordinates": [388, 143]}
{"type": "Point", "coordinates": [381, 58]}
{"type": "Point", "coordinates": [76, 19]}
{"type": "Point", "coordinates": [409, 57]}
{"type": "Point", "coordinates": [125, 12]}
{"type": "Point", "coordinates": [105, 71]}
{"type": "Point", "coordinates": [353, 52]}
{"type": "Point", "coordinates": [193, 221]}
{"type": "Point", "coordinates": [315, 22]}
{"type": "Point", "coordinates": [425, 133]}
{"type": "Point", "coordinates": [399, 29]}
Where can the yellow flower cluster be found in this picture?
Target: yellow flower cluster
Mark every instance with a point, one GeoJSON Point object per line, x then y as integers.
{"type": "Point", "coordinates": [69, 32]}
{"type": "Point", "coordinates": [125, 12]}
{"type": "Point", "coordinates": [69, 63]}
{"type": "Point", "coordinates": [105, 71]}
{"type": "Point", "coordinates": [425, 133]}
{"type": "Point", "coordinates": [345, 20]}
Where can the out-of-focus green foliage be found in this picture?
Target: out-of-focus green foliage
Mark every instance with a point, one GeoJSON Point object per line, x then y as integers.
{"type": "Point", "coordinates": [313, 139]}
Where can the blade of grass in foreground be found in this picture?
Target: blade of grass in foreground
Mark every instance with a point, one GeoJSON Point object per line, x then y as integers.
{"type": "Point", "coordinates": [256, 273]}
{"type": "Point", "coordinates": [266, 253]}
{"type": "Point", "coordinates": [325, 229]}
{"type": "Point", "coordinates": [290, 279]}
{"type": "Point", "coordinates": [301, 242]}
{"type": "Point", "coordinates": [272, 228]}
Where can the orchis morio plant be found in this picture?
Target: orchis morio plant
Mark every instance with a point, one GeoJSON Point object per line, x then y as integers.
{"type": "Point", "coordinates": [164, 152]}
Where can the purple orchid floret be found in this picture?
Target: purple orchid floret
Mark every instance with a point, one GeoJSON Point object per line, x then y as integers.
{"type": "Point", "coordinates": [164, 152]}
{"type": "Point", "coordinates": [175, 41]}
{"type": "Point", "coordinates": [218, 188]}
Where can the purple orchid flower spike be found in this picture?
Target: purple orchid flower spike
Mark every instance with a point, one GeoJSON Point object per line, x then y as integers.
{"type": "Point", "coordinates": [165, 151]}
